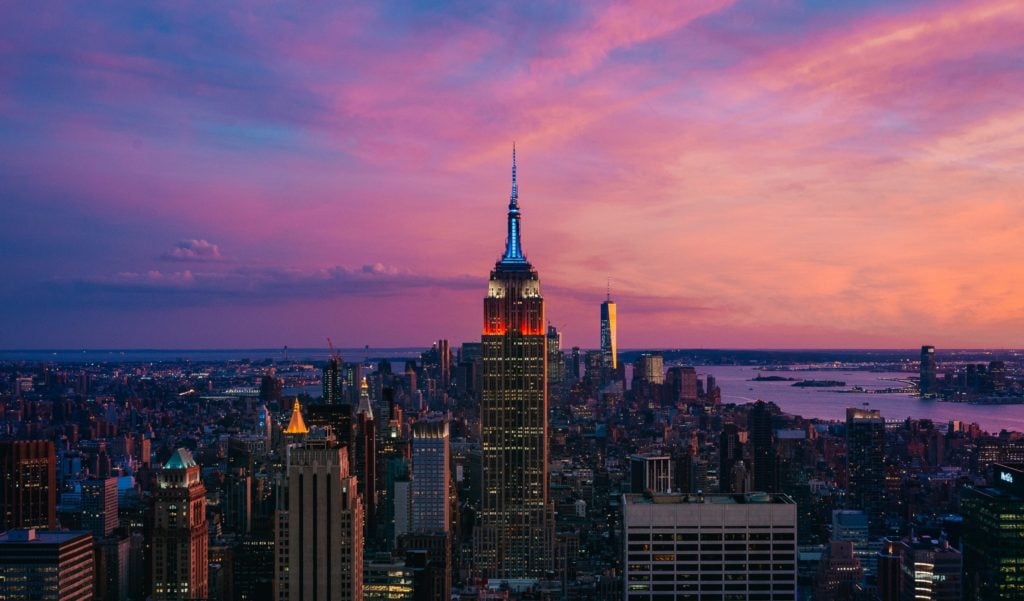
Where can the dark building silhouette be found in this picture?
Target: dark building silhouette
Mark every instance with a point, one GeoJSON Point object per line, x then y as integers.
{"type": "Point", "coordinates": [28, 484]}
{"type": "Point", "coordinates": [865, 464]}
{"type": "Point", "coordinates": [762, 446]}
{"type": "Point", "coordinates": [993, 538]}
{"type": "Point", "coordinates": [929, 373]}
{"type": "Point", "coordinates": [730, 453]}
{"type": "Point", "coordinates": [332, 381]}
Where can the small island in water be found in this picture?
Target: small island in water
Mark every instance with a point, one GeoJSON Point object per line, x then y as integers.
{"type": "Point", "coordinates": [761, 378]}
{"type": "Point", "coordinates": [819, 383]}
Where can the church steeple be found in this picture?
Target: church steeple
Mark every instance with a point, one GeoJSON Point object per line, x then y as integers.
{"type": "Point", "coordinates": [513, 247]}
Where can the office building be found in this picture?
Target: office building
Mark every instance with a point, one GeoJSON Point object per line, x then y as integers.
{"type": "Point", "coordinates": [730, 460]}
{"type": "Point", "coordinates": [762, 447]}
{"type": "Point", "coordinates": [890, 570]}
{"type": "Point", "coordinates": [839, 573]}
{"type": "Point", "coordinates": [649, 369]}
{"type": "Point", "coordinates": [929, 372]}
{"type": "Point", "coordinates": [865, 469]}
{"type": "Point", "coordinates": [716, 546]}
{"type": "Point", "coordinates": [609, 342]}
{"type": "Point", "coordinates": [513, 537]}
{"type": "Point", "coordinates": [680, 385]}
{"type": "Point", "coordinates": [556, 361]}
{"type": "Point", "coordinates": [319, 538]}
{"type": "Point", "coordinates": [431, 480]}
{"type": "Point", "coordinates": [651, 473]}
{"type": "Point", "coordinates": [993, 539]}
{"type": "Point", "coordinates": [180, 536]}
{"type": "Point", "coordinates": [99, 506]}
{"type": "Point", "coordinates": [931, 571]}
{"type": "Point", "coordinates": [332, 381]}
{"type": "Point", "coordinates": [28, 484]}
{"type": "Point", "coordinates": [43, 565]}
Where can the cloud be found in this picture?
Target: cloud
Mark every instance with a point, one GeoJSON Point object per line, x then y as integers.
{"type": "Point", "coordinates": [247, 285]}
{"type": "Point", "coordinates": [193, 250]}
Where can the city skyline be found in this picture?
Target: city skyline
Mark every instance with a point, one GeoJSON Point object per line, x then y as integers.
{"type": "Point", "coordinates": [747, 175]}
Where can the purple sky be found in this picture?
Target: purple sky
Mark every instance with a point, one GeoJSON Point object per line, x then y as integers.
{"type": "Point", "coordinates": [747, 174]}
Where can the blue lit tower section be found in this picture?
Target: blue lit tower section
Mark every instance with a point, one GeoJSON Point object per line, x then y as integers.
{"type": "Point", "coordinates": [513, 540]}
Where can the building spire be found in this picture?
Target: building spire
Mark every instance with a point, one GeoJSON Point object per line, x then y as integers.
{"type": "Point", "coordinates": [513, 201]}
{"type": "Point", "coordinates": [513, 248]}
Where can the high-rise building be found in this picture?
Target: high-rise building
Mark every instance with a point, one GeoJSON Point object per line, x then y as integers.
{"type": "Point", "coordinates": [762, 446]}
{"type": "Point", "coordinates": [99, 506]}
{"type": "Point", "coordinates": [865, 469]}
{"type": "Point", "coordinates": [651, 473]}
{"type": "Point", "coordinates": [556, 360]}
{"type": "Point", "coordinates": [993, 539]}
{"type": "Point", "coordinates": [444, 365]}
{"type": "Point", "coordinates": [514, 538]}
{"type": "Point", "coordinates": [180, 537]}
{"type": "Point", "coordinates": [839, 573]}
{"type": "Point", "coordinates": [28, 484]}
{"type": "Point", "coordinates": [931, 571]}
{"type": "Point", "coordinates": [431, 479]}
{"type": "Point", "coordinates": [890, 569]}
{"type": "Point", "coordinates": [929, 371]}
{"type": "Point", "coordinates": [332, 381]}
{"type": "Point", "coordinates": [709, 547]}
{"type": "Point", "coordinates": [730, 454]}
{"type": "Point", "coordinates": [319, 538]}
{"type": "Point", "coordinates": [46, 565]}
{"type": "Point", "coordinates": [609, 341]}
{"type": "Point", "coordinates": [649, 369]}
{"type": "Point", "coordinates": [365, 468]}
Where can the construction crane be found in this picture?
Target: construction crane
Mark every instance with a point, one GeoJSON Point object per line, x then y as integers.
{"type": "Point", "coordinates": [334, 353]}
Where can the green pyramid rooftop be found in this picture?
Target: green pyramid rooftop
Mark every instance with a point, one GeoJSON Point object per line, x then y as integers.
{"type": "Point", "coordinates": [181, 459]}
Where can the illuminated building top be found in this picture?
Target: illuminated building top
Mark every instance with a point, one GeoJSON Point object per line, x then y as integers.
{"type": "Point", "coordinates": [513, 257]}
{"type": "Point", "coordinates": [296, 425]}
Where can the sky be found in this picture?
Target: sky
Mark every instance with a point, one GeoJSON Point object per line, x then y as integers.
{"type": "Point", "coordinates": [766, 174]}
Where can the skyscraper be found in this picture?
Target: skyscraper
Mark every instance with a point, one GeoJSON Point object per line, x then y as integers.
{"type": "Point", "coordinates": [28, 484]}
{"type": "Point", "coordinates": [609, 347]}
{"type": "Point", "coordinates": [762, 443]}
{"type": "Point", "coordinates": [431, 479]}
{"type": "Point", "coordinates": [319, 543]}
{"type": "Point", "coordinates": [180, 537]}
{"type": "Point", "coordinates": [929, 371]}
{"type": "Point", "coordinates": [673, 547]}
{"type": "Point", "coordinates": [513, 540]}
{"type": "Point", "coordinates": [993, 541]}
{"type": "Point", "coordinates": [99, 506]}
{"type": "Point", "coordinates": [865, 469]}
{"type": "Point", "coordinates": [332, 381]}
{"type": "Point", "coordinates": [47, 565]}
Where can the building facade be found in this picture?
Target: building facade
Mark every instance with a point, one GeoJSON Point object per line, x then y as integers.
{"type": "Point", "coordinates": [865, 464]}
{"type": "Point", "coordinates": [46, 565]}
{"type": "Point", "coordinates": [431, 479]}
{"type": "Point", "coordinates": [993, 539]}
{"type": "Point", "coordinates": [319, 550]}
{"type": "Point", "coordinates": [180, 536]}
{"type": "Point", "coordinates": [513, 538]}
{"type": "Point", "coordinates": [609, 336]}
{"type": "Point", "coordinates": [720, 546]}
{"type": "Point", "coordinates": [28, 484]}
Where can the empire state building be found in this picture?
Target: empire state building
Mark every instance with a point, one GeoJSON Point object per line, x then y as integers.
{"type": "Point", "coordinates": [514, 537]}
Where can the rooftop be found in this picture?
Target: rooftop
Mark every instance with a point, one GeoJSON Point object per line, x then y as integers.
{"type": "Point", "coordinates": [180, 460]}
{"type": "Point", "coordinates": [41, 537]}
{"type": "Point", "coordinates": [712, 499]}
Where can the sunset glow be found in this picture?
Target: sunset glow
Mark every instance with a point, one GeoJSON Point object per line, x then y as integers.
{"type": "Point", "coordinates": [746, 174]}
